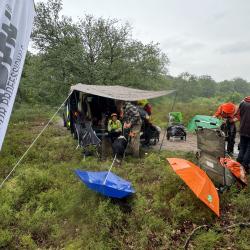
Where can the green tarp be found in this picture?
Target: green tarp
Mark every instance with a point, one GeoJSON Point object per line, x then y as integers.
{"type": "Point", "coordinates": [175, 117]}
{"type": "Point", "coordinates": [204, 121]}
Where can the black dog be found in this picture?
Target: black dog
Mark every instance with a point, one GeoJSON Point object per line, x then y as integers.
{"type": "Point", "coordinates": [119, 146]}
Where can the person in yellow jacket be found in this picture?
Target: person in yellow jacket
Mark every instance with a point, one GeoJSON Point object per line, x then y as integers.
{"type": "Point", "coordinates": [114, 127]}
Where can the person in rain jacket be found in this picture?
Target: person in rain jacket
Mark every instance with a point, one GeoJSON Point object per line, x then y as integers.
{"type": "Point", "coordinates": [230, 114]}
{"type": "Point", "coordinates": [132, 121]}
{"type": "Point", "coordinates": [114, 127]}
{"type": "Point", "coordinates": [145, 110]}
{"type": "Point", "coordinates": [244, 154]}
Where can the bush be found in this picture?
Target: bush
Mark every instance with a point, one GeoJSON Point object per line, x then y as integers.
{"type": "Point", "coordinates": [5, 238]}
{"type": "Point", "coordinates": [207, 240]}
{"type": "Point", "coordinates": [45, 205]}
{"type": "Point", "coordinates": [241, 203]}
{"type": "Point", "coordinates": [27, 243]}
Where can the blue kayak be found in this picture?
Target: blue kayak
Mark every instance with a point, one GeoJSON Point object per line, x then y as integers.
{"type": "Point", "coordinates": [106, 183]}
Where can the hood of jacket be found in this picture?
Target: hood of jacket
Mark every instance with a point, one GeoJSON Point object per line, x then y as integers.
{"type": "Point", "coordinates": [247, 99]}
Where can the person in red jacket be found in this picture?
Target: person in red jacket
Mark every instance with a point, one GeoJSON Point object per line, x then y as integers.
{"type": "Point", "coordinates": [244, 154]}
{"type": "Point", "coordinates": [230, 114]}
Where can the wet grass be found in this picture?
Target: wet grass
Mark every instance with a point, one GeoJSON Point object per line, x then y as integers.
{"type": "Point", "coordinates": [45, 206]}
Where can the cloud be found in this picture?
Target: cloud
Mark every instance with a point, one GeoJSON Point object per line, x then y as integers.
{"type": "Point", "coordinates": [218, 16]}
{"type": "Point", "coordinates": [181, 44]}
{"type": "Point", "coordinates": [236, 47]}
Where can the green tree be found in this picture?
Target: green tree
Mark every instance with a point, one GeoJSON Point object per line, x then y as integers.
{"type": "Point", "coordinates": [225, 87]}
{"type": "Point", "coordinates": [187, 85]}
{"type": "Point", "coordinates": [241, 86]}
{"type": "Point", "coordinates": [208, 86]}
{"type": "Point", "coordinates": [92, 51]}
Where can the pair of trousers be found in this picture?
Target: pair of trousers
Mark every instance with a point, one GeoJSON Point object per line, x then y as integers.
{"type": "Point", "coordinates": [244, 154]}
{"type": "Point", "coordinates": [135, 141]}
{"type": "Point", "coordinates": [230, 131]}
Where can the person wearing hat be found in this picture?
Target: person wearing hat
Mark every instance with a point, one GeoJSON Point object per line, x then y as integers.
{"type": "Point", "coordinates": [244, 154]}
{"type": "Point", "coordinates": [114, 127]}
{"type": "Point", "coordinates": [230, 114]}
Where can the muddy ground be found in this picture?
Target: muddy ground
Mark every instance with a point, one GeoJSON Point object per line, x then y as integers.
{"type": "Point", "coordinates": [190, 145]}
{"type": "Point", "coordinates": [179, 145]}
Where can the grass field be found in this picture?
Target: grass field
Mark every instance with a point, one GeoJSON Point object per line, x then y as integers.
{"type": "Point", "coordinates": [45, 206]}
{"type": "Point", "coordinates": [198, 106]}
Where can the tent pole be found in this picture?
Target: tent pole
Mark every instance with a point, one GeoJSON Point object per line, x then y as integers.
{"type": "Point", "coordinates": [109, 170]}
{"type": "Point", "coordinates": [165, 132]}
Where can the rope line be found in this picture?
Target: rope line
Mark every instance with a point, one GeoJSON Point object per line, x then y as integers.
{"type": "Point", "coordinates": [32, 144]}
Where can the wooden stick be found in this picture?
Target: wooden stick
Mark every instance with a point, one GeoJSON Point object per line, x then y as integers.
{"type": "Point", "coordinates": [241, 224]}
{"type": "Point", "coordinates": [191, 234]}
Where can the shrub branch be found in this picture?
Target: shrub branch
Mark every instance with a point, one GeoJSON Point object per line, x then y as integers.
{"type": "Point", "coordinates": [223, 229]}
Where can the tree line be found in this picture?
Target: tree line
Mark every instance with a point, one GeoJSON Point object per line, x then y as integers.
{"type": "Point", "coordinates": [102, 51]}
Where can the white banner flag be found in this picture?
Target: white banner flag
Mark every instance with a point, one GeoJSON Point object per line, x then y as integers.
{"type": "Point", "coordinates": [16, 19]}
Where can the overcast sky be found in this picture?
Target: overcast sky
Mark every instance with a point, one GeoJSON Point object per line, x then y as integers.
{"type": "Point", "coordinates": [199, 36]}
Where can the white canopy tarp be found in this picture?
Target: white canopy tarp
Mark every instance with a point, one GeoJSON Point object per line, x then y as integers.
{"type": "Point", "coordinates": [119, 92]}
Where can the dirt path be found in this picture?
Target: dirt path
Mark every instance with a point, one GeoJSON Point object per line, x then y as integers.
{"type": "Point", "coordinates": [190, 145]}
{"type": "Point", "coordinates": [187, 146]}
